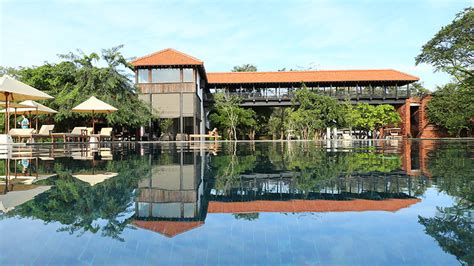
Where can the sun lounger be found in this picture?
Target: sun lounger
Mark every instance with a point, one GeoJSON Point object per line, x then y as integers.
{"type": "Point", "coordinates": [77, 134]}
{"type": "Point", "coordinates": [21, 133]}
{"type": "Point", "coordinates": [195, 136]}
{"type": "Point", "coordinates": [44, 132]}
{"type": "Point", "coordinates": [105, 133]}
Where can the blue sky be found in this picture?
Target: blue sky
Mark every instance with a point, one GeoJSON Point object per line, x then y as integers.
{"type": "Point", "coordinates": [270, 34]}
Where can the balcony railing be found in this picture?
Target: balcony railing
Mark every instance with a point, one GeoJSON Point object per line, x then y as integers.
{"type": "Point", "coordinates": [284, 94]}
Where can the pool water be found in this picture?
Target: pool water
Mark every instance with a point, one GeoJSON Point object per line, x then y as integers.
{"type": "Point", "coordinates": [266, 203]}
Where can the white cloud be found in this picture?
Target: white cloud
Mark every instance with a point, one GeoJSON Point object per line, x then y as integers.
{"type": "Point", "coordinates": [270, 34]}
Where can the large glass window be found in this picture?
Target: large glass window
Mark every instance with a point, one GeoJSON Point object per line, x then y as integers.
{"type": "Point", "coordinates": [188, 75]}
{"type": "Point", "coordinates": [165, 75]}
{"type": "Point", "coordinates": [143, 76]}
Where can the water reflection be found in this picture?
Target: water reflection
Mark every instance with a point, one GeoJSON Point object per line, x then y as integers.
{"type": "Point", "coordinates": [172, 188]}
{"type": "Point", "coordinates": [452, 227]}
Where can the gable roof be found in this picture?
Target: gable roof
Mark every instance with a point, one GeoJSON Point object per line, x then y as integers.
{"type": "Point", "coordinates": [166, 57]}
{"type": "Point", "coordinates": [168, 228]}
{"type": "Point", "coordinates": [322, 76]}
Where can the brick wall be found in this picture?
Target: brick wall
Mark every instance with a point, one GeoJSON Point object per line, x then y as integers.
{"type": "Point", "coordinates": [404, 111]}
{"type": "Point", "coordinates": [428, 130]}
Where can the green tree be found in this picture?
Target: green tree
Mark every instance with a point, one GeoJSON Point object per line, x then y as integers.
{"type": "Point", "coordinates": [373, 118]}
{"type": "Point", "coordinates": [244, 68]}
{"type": "Point", "coordinates": [452, 108]}
{"type": "Point", "coordinates": [165, 125]}
{"type": "Point", "coordinates": [247, 122]}
{"type": "Point", "coordinates": [311, 113]}
{"type": "Point", "coordinates": [233, 118]}
{"type": "Point", "coordinates": [277, 122]}
{"type": "Point", "coordinates": [11, 71]}
{"type": "Point", "coordinates": [350, 115]}
{"type": "Point", "coordinates": [79, 76]}
{"type": "Point", "coordinates": [452, 49]}
{"type": "Point", "coordinates": [417, 89]}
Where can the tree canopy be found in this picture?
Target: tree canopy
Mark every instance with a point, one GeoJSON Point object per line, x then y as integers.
{"type": "Point", "coordinates": [245, 68]}
{"type": "Point", "coordinates": [452, 48]}
{"type": "Point", "coordinates": [78, 76]}
{"type": "Point", "coordinates": [417, 89]}
{"type": "Point", "coordinates": [312, 112]}
{"type": "Point", "coordinates": [230, 116]}
{"type": "Point", "coordinates": [371, 118]}
{"type": "Point", "coordinates": [452, 108]}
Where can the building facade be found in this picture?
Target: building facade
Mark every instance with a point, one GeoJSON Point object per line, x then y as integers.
{"type": "Point", "coordinates": [176, 86]}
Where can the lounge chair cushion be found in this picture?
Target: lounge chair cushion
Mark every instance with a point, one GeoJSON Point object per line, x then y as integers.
{"type": "Point", "coordinates": [78, 130]}
{"type": "Point", "coordinates": [45, 129]}
{"type": "Point", "coordinates": [106, 132]}
{"type": "Point", "coordinates": [21, 132]}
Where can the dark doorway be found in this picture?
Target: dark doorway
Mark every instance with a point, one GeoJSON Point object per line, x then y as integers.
{"type": "Point", "coordinates": [414, 121]}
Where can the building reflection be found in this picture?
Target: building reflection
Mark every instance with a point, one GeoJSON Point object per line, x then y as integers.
{"type": "Point", "coordinates": [171, 199]}
{"type": "Point", "coordinates": [177, 197]}
{"type": "Point", "coordinates": [415, 156]}
{"type": "Point", "coordinates": [183, 183]}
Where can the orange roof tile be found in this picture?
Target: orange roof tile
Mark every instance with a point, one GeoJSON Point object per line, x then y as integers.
{"type": "Point", "coordinates": [356, 205]}
{"type": "Point", "coordinates": [168, 228]}
{"type": "Point", "coordinates": [309, 76]}
{"type": "Point", "coordinates": [166, 57]}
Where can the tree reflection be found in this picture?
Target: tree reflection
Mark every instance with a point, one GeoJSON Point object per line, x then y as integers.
{"type": "Point", "coordinates": [275, 172]}
{"type": "Point", "coordinates": [309, 163]}
{"type": "Point", "coordinates": [453, 167]}
{"type": "Point", "coordinates": [82, 208]}
{"type": "Point", "coordinates": [302, 170]}
{"type": "Point", "coordinates": [247, 216]}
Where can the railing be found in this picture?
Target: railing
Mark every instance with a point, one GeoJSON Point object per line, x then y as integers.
{"type": "Point", "coordinates": [284, 94]}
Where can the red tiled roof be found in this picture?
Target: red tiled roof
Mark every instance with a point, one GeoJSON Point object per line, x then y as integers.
{"type": "Point", "coordinates": [356, 205]}
{"type": "Point", "coordinates": [168, 228]}
{"type": "Point", "coordinates": [166, 57]}
{"type": "Point", "coordinates": [309, 76]}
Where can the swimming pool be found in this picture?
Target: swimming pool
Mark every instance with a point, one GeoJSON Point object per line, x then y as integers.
{"type": "Point", "coordinates": [332, 203]}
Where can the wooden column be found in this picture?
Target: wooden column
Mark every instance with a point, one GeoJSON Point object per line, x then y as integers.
{"type": "Point", "coordinates": [150, 124]}
{"type": "Point", "coordinates": [181, 126]}
{"type": "Point", "coordinates": [358, 92]}
{"type": "Point", "coordinates": [407, 121]}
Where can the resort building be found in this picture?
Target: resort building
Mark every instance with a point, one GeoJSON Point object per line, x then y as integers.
{"type": "Point", "coordinates": [177, 86]}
